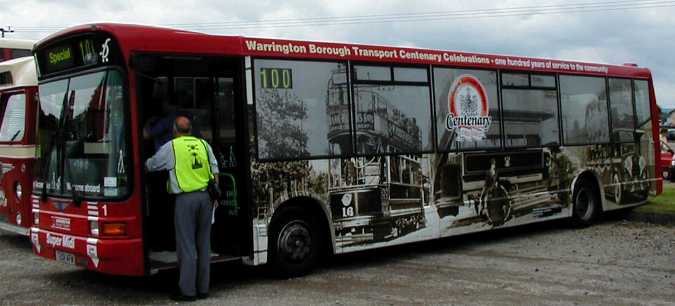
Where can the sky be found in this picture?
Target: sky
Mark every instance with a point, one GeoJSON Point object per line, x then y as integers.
{"type": "Point", "coordinates": [605, 31]}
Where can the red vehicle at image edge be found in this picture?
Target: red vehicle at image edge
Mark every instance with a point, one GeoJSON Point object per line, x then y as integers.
{"type": "Point", "coordinates": [325, 147]}
{"type": "Point", "coordinates": [666, 161]}
{"type": "Point", "coordinates": [18, 94]}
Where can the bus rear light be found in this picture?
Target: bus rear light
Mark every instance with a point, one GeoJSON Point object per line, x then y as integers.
{"type": "Point", "coordinates": [93, 227]}
{"type": "Point", "coordinates": [114, 229]}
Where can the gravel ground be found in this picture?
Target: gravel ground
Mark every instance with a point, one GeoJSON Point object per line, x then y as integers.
{"type": "Point", "coordinates": [616, 262]}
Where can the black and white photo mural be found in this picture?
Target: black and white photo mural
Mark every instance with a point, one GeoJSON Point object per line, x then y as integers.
{"type": "Point", "coordinates": [361, 140]}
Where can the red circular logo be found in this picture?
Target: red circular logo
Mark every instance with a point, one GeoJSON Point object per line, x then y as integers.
{"type": "Point", "coordinates": [468, 109]}
{"type": "Point", "coordinates": [468, 98]}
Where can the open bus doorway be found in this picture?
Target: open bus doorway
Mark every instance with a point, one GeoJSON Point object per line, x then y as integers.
{"type": "Point", "coordinates": [205, 90]}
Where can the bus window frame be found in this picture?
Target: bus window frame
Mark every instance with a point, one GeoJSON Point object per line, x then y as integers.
{"type": "Point", "coordinates": [393, 82]}
{"type": "Point", "coordinates": [4, 99]}
{"type": "Point", "coordinates": [457, 150]}
{"type": "Point", "coordinates": [649, 99]}
{"type": "Point", "coordinates": [391, 67]}
{"type": "Point", "coordinates": [633, 108]}
{"type": "Point", "coordinates": [128, 127]}
{"type": "Point", "coordinates": [609, 130]}
{"type": "Point", "coordinates": [429, 84]}
{"type": "Point", "coordinates": [255, 143]}
{"type": "Point", "coordinates": [530, 87]}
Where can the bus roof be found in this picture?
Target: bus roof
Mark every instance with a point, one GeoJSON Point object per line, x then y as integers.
{"type": "Point", "coordinates": [157, 39]}
{"type": "Point", "coordinates": [9, 43]}
{"type": "Point", "coordinates": [21, 70]}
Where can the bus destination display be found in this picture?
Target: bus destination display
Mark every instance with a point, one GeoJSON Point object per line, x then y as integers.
{"type": "Point", "coordinates": [60, 58]}
{"type": "Point", "coordinates": [76, 52]}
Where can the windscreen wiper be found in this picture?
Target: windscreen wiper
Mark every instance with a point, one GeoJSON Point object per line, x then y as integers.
{"type": "Point", "coordinates": [46, 164]}
{"type": "Point", "coordinates": [75, 194]}
{"type": "Point", "coordinates": [15, 135]}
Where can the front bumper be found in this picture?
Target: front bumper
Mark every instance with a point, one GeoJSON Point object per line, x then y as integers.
{"type": "Point", "coordinates": [110, 256]}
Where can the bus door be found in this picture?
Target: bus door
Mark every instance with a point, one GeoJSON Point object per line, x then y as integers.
{"type": "Point", "coordinates": [228, 231]}
{"type": "Point", "coordinates": [207, 90]}
{"type": "Point", "coordinates": [216, 118]}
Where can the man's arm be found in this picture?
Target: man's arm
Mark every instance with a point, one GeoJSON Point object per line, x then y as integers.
{"type": "Point", "coordinates": [212, 161]}
{"type": "Point", "coordinates": [162, 160]}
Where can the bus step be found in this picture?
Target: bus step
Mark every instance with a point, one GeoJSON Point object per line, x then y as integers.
{"type": "Point", "coordinates": [168, 260]}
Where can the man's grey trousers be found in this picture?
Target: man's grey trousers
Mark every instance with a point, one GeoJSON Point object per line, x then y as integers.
{"type": "Point", "coordinates": [193, 241]}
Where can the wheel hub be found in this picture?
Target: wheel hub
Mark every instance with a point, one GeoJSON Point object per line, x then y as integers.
{"type": "Point", "coordinates": [295, 242]}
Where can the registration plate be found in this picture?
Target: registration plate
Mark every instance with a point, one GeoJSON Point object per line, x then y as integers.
{"type": "Point", "coordinates": [65, 257]}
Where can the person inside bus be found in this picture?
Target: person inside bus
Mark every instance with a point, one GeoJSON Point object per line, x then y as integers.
{"type": "Point", "coordinates": [160, 131]}
{"type": "Point", "coordinates": [191, 165]}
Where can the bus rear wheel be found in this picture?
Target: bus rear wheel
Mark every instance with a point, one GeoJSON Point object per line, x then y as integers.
{"type": "Point", "coordinates": [586, 204]}
{"type": "Point", "coordinates": [295, 243]}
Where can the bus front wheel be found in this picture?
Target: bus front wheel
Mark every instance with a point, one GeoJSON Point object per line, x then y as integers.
{"type": "Point", "coordinates": [586, 204]}
{"type": "Point", "coordinates": [295, 242]}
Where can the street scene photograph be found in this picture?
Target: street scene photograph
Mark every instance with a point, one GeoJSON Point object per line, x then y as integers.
{"type": "Point", "coordinates": [337, 153]}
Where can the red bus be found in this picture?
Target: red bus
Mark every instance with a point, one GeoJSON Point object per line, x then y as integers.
{"type": "Point", "coordinates": [18, 93]}
{"type": "Point", "coordinates": [325, 147]}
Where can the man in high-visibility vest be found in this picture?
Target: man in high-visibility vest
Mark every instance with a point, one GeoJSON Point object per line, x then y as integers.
{"type": "Point", "coordinates": [191, 165]}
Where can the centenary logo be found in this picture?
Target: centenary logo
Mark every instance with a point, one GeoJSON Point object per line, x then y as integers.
{"type": "Point", "coordinates": [468, 114]}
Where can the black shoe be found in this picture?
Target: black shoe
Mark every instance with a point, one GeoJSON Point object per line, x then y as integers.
{"type": "Point", "coordinates": [202, 296]}
{"type": "Point", "coordinates": [178, 297]}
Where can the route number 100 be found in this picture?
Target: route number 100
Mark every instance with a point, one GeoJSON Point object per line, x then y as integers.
{"type": "Point", "coordinates": [276, 78]}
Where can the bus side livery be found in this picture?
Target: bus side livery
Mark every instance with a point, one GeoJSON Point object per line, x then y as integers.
{"type": "Point", "coordinates": [18, 92]}
{"type": "Point", "coordinates": [325, 147]}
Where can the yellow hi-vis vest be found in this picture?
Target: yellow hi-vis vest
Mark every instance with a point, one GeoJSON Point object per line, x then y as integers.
{"type": "Point", "coordinates": [193, 170]}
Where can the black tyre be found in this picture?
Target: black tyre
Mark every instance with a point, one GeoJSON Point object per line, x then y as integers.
{"type": "Point", "coordinates": [586, 204]}
{"type": "Point", "coordinates": [295, 243]}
